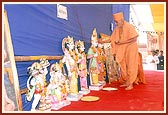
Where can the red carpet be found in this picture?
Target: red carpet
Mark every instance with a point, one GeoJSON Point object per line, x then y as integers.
{"type": "Point", "coordinates": [144, 97]}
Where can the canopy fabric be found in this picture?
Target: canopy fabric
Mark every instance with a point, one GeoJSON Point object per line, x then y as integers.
{"type": "Point", "coordinates": [149, 16]}
{"type": "Point", "coordinates": [158, 16]}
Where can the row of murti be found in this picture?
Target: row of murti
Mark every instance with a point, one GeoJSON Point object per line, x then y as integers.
{"type": "Point", "coordinates": [82, 75]}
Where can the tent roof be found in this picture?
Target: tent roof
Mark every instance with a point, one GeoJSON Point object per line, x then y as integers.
{"type": "Point", "coordinates": [158, 16]}
{"type": "Point", "coordinates": [150, 16]}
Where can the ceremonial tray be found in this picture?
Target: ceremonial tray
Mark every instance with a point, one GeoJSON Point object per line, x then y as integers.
{"type": "Point", "coordinates": [90, 98]}
{"type": "Point", "coordinates": [109, 89]}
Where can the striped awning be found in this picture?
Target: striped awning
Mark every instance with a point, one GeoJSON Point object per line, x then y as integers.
{"type": "Point", "coordinates": [150, 16]}
{"type": "Point", "coordinates": [158, 14]}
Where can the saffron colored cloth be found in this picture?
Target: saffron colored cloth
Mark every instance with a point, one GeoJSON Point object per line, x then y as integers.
{"type": "Point", "coordinates": [126, 53]}
{"type": "Point", "coordinates": [118, 16]}
{"type": "Point", "coordinates": [140, 77]}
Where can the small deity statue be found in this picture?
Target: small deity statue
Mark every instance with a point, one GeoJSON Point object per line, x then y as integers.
{"type": "Point", "coordinates": [56, 89]}
{"type": "Point", "coordinates": [44, 64]}
{"type": "Point", "coordinates": [101, 59]}
{"type": "Point", "coordinates": [82, 65]}
{"type": "Point", "coordinates": [36, 85]}
{"type": "Point", "coordinates": [70, 58]}
{"type": "Point", "coordinates": [92, 55]}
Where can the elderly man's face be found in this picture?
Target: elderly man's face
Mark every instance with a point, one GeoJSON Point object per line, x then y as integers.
{"type": "Point", "coordinates": [119, 23]}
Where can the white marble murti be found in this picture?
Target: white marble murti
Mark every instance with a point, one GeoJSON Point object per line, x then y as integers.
{"type": "Point", "coordinates": [61, 104]}
{"type": "Point", "coordinates": [102, 83]}
{"type": "Point", "coordinates": [96, 87]}
{"type": "Point", "coordinates": [74, 97]}
{"type": "Point", "coordinates": [85, 91]}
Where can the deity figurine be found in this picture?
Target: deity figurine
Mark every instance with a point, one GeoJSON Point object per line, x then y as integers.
{"type": "Point", "coordinates": [112, 67]}
{"type": "Point", "coordinates": [92, 55]}
{"type": "Point", "coordinates": [101, 59]}
{"type": "Point", "coordinates": [56, 90]}
{"type": "Point", "coordinates": [36, 85]}
{"type": "Point", "coordinates": [82, 66]}
{"type": "Point", "coordinates": [44, 64]}
{"type": "Point", "coordinates": [70, 58]}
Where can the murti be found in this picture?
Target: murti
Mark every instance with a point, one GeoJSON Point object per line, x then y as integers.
{"type": "Point", "coordinates": [70, 59]}
{"type": "Point", "coordinates": [37, 81]}
{"type": "Point", "coordinates": [56, 90]}
{"type": "Point", "coordinates": [101, 59]}
{"type": "Point", "coordinates": [92, 54]}
{"type": "Point", "coordinates": [82, 64]}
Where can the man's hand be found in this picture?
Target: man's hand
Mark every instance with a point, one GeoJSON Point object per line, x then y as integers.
{"type": "Point", "coordinates": [100, 41]}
